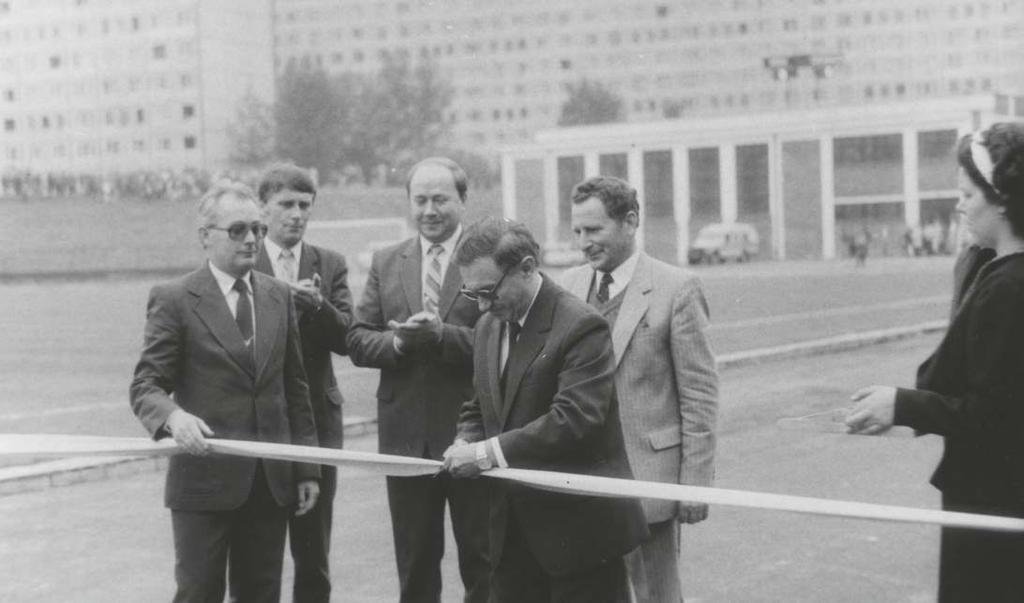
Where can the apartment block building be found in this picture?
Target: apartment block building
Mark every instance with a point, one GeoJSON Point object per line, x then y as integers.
{"type": "Point", "coordinates": [510, 62]}
{"type": "Point", "coordinates": [104, 86]}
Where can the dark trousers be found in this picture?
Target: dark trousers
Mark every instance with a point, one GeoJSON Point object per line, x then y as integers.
{"type": "Point", "coordinates": [247, 543]}
{"type": "Point", "coordinates": [417, 521]}
{"type": "Point", "coordinates": [518, 577]}
{"type": "Point", "coordinates": [980, 565]}
{"type": "Point", "coordinates": [309, 536]}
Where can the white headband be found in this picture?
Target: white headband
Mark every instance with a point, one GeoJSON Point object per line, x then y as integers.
{"type": "Point", "coordinates": [982, 160]}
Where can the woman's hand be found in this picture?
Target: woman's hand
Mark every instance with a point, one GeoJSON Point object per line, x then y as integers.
{"type": "Point", "coordinates": [873, 412]}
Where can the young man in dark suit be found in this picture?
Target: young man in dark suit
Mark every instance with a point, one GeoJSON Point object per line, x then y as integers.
{"type": "Point", "coordinates": [221, 358]}
{"type": "Point", "coordinates": [544, 399]}
{"type": "Point", "coordinates": [318, 278]}
{"type": "Point", "coordinates": [412, 325]}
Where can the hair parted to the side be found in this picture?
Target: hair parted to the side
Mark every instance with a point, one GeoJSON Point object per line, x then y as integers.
{"type": "Point", "coordinates": [285, 176]}
{"type": "Point", "coordinates": [1004, 143]}
{"type": "Point", "coordinates": [505, 241]}
{"type": "Point", "coordinates": [209, 203]}
{"type": "Point", "coordinates": [458, 174]}
{"type": "Point", "coordinates": [617, 195]}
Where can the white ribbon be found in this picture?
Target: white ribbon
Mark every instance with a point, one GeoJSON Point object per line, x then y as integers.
{"type": "Point", "coordinates": [383, 464]}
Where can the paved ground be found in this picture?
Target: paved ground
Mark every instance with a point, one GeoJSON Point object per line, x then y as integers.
{"type": "Point", "coordinates": [109, 541]}
{"type": "Point", "coordinates": [68, 349]}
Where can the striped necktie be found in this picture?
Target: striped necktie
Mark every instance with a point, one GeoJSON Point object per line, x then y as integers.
{"type": "Point", "coordinates": [432, 285]}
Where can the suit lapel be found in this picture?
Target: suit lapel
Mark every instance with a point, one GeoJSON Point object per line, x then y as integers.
{"type": "Point", "coordinates": [634, 306]}
{"type": "Point", "coordinates": [411, 282]}
{"type": "Point", "coordinates": [309, 264]}
{"type": "Point", "coordinates": [531, 342]}
{"type": "Point", "coordinates": [579, 282]}
{"type": "Point", "coordinates": [268, 306]}
{"type": "Point", "coordinates": [212, 309]}
{"type": "Point", "coordinates": [263, 263]}
{"type": "Point", "coordinates": [492, 346]}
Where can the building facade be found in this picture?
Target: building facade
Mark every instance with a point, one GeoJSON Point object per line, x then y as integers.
{"type": "Point", "coordinates": [807, 181]}
{"type": "Point", "coordinates": [108, 86]}
{"type": "Point", "coordinates": [510, 63]}
{"type": "Point", "coordinates": [101, 85]}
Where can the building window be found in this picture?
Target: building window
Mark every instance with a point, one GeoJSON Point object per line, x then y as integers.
{"type": "Point", "coordinates": [566, 64]}
{"type": "Point", "coordinates": [190, 142]}
{"type": "Point", "coordinates": [159, 52]}
{"type": "Point", "coordinates": [54, 62]}
{"type": "Point", "coordinates": [8, 125]}
{"type": "Point", "coordinates": [140, 116]}
{"type": "Point", "coordinates": [9, 95]}
{"type": "Point", "coordinates": [661, 10]}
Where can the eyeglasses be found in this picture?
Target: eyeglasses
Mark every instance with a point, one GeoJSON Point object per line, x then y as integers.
{"type": "Point", "coordinates": [489, 294]}
{"type": "Point", "coordinates": [238, 230]}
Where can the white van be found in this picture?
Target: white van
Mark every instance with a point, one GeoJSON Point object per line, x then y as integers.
{"type": "Point", "coordinates": [719, 242]}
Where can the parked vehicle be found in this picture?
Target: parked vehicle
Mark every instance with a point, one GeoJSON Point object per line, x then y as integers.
{"type": "Point", "coordinates": [719, 242]}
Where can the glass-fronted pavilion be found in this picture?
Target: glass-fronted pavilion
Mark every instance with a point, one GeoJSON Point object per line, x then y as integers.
{"type": "Point", "coordinates": [805, 179]}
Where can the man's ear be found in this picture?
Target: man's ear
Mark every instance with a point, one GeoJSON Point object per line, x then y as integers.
{"type": "Point", "coordinates": [529, 265]}
{"type": "Point", "coordinates": [202, 233]}
{"type": "Point", "coordinates": [632, 219]}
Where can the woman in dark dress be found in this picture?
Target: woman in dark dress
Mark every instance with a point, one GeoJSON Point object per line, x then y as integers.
{"type": "Point", "coordinates": [971, 389]}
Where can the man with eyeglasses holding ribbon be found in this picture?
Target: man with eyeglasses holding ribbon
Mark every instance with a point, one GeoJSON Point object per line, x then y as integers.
{"type": "Point", "coordinates": [221, 358]}
{"type": "Point", "coordinates": [412, 324]}
{"type": "Point", "coordinates": [544, 399]}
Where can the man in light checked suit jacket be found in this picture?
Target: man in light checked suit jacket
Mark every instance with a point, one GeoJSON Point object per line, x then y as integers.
{"type": "Point", "coordinates": [665, 372]}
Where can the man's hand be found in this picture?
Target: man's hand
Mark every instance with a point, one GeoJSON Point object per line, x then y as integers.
{"type": "Point", "coordinates": [419, 329]}
{"type": "Point", "coordinates": [692, 512]}
{"type": "Point", "coordinates": [309, 491]}
{"type": "Point", "coordinates": [307, 294]}
{"type": "Point", "coordinates": [874, 412]}
{"type": "Point", "coordinates": [188, 431]}
{"type": "Point", "coordinates": [460, 460]}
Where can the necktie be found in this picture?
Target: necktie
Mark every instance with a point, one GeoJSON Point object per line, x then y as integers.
{"type": "Point", "coordinates": [602, 291]}
{"type": "Point", "coordinates": [513, 331]}
{"type": "Point", "coordinates": [287, 263]}
{"type": "Point", "coordinates": [513, 328]}
{"type": "Point", "coordinates": [243, 312]}
{"type": "Point", "coordinates": [432, 288]}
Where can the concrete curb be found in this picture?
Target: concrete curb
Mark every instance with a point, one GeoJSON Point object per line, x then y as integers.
{"type": "Point", "coordinates": [65, 472]}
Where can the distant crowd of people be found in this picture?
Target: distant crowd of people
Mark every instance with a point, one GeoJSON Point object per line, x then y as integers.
{"type": "Point", "coordinates": [161, 185]}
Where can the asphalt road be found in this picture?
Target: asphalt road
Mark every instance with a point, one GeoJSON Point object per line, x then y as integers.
{"type": "Point", "coordinates": [109, 541]}
{"type": "Point", "coordinates": [68, 349]}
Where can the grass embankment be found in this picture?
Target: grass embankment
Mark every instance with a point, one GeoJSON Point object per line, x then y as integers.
{"type": "Point", "coordinates": [85, 236]}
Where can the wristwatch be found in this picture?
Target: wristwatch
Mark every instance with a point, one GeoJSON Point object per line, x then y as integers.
{"type": "Point", "coordinates": [483, 462]}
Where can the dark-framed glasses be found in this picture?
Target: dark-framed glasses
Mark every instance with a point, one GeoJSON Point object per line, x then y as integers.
{"type": "Point", "coordinates": [238, 230]}
{"type": "Point", "coordinates": [487, 293]}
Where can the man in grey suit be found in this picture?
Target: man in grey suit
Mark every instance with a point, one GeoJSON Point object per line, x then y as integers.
{"type": "Point", "coordinates": [413, 325]}
{"type": "Point", "coordinates": [665, 372]}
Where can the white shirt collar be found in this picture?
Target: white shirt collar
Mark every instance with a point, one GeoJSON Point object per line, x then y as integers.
{"type": "Point", "coordinates": [448, 244]}
{"type": "Point", "coordinates": [274, 251]}
{"type": "Point", "coordinates": [226, 282]}
{"type": "Point", "coordinates": [621, 275]}
{"type": "Point", "coordinates": [536, 292]}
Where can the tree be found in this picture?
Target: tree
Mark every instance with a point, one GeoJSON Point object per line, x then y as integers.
{"type": "Point", "coordinates": [395, 114]}
{"type": "Point", "coordinates": [310, 116]}
{"type": "Point", "coordinates": [251, 134]}
{"type": "Point", "coordinates": [590, 102]}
